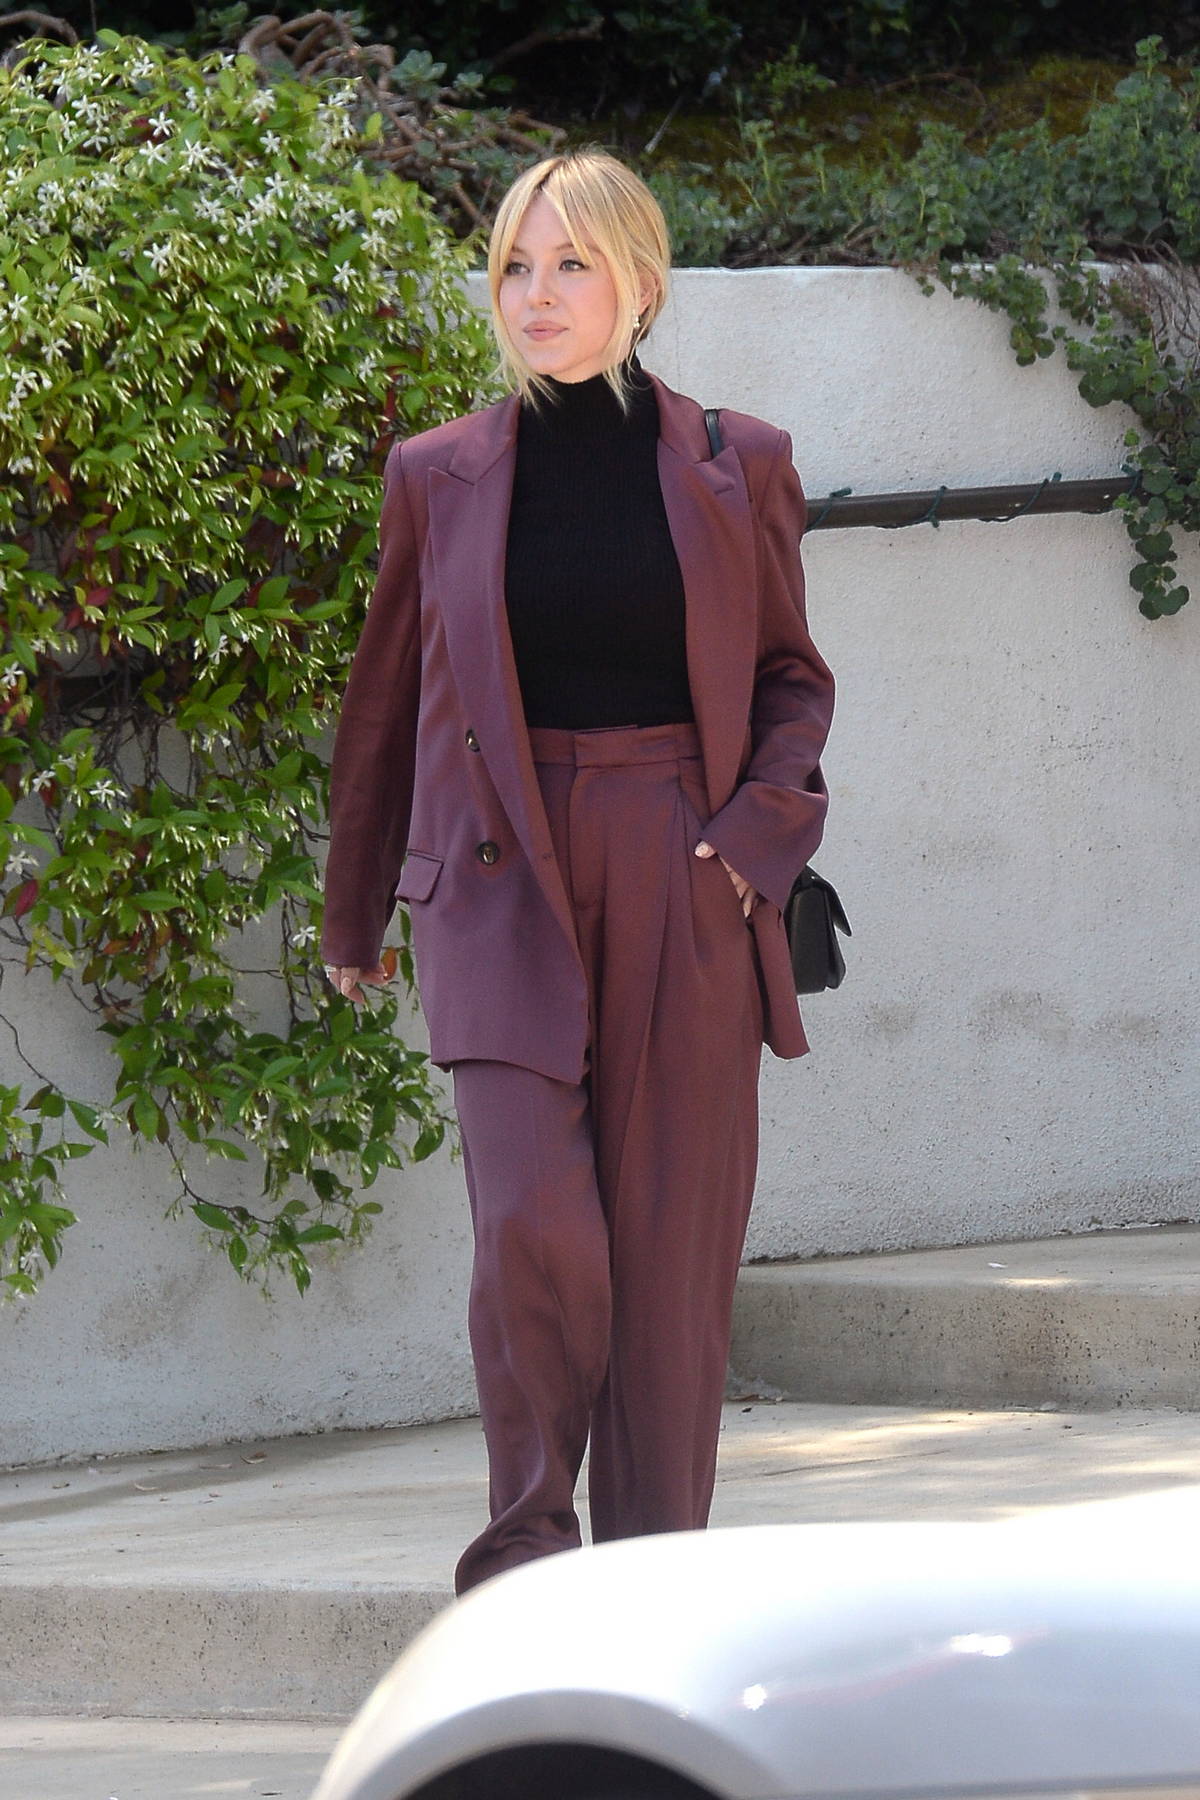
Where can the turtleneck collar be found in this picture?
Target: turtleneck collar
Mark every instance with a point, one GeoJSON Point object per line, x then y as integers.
{"type": "Point", "coordinates": [588, 406]}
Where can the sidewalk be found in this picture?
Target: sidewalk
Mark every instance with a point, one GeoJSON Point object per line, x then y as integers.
{"type": "Point", "coordinates": [278, 1580]}
{"type": "Point", "coordinates": [149, 1759]}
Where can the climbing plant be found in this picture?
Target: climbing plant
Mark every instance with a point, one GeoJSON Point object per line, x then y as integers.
{"type": "Point", "coordinates": [1088, 241]}
{"type": "Point", "coordinates": [1103, 227]}
{"type": "Point", "coordinates": [213, 322]}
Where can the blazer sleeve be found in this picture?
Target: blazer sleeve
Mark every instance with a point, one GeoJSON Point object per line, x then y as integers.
{"type": "Point", "coordinates": [772, 822]}
{"type": "Point", "coordinates": [374, 751]}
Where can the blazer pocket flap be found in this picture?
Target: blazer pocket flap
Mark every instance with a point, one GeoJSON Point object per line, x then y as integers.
{"type": "Point", "coordinates": [418, 873]}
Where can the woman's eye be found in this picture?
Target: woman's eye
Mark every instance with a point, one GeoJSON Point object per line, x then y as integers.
{"type": "Point", "coordinates": [514, 267]}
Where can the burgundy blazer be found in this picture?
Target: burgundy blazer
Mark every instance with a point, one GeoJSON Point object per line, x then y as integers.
{"type": "Point", "coordinates": [431, 759]}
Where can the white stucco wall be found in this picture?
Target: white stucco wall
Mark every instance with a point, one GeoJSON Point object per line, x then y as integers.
{"type": "Point", "coordinates": [1013, 770]}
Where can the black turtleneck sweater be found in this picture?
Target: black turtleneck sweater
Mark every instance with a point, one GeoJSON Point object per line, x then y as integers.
{"type": "Point", "coordinates": [594, 593]}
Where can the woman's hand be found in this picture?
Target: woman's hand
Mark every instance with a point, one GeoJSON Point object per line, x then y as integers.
{"type": "Point", "coordinates": [346, 980]}
{"type": "Point", "coordinates": [745, 893]}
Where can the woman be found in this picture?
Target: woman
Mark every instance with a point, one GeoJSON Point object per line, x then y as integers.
{"type": "Point", "coordinates": [580, 738]}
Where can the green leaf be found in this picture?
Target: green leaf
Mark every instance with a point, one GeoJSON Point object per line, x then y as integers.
{"type": "Point", "coordinates": [301, 1273]}
{"type": "Point", "coordinates": [146, 1113]}
{"type": "Point", "coordinates": [222, 1147]}
{"type": "Point", "coordinates": [212, 1216]}
{"type": "Point", "coordinates": [87, 1119]}
{"type": "Point", "coordinates": [319, 1234]}
{"type": "Point", "coordinates": [427, 1142]}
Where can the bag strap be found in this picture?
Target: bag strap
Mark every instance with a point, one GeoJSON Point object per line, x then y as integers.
{"type": "Point", "coordinates": [712, 419]}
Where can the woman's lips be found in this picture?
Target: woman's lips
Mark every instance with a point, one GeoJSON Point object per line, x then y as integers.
{"type": "Point", "coordinates": [544, 331]}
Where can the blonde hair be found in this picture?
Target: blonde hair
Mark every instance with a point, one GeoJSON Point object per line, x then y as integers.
{"type": "Point", "coordinates": [598, 197]}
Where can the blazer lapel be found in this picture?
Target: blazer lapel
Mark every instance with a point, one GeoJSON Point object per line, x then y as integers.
{"type": "Point", "coordinates": [712, 528]}
{"type": "Point", "coordinates": [469, 505]}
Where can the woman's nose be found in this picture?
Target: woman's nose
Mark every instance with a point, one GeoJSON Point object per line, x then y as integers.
{"type": "Point", "coordinates": [540, 288]}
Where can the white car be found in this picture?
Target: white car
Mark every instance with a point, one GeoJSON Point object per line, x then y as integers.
{"type": "Point", "coordinates": [1049, 1654]}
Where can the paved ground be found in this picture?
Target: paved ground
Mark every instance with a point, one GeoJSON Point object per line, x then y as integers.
{"type": "Point", "coordinates": [396, 1505]}
{"type": "Point", "coordinates": [166, 1585]}
{"type": "Point", "coordinates": [151, 1759]}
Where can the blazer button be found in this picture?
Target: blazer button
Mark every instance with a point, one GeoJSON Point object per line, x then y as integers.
{"type": "Point", "coordinates": [488, 851]}
{"type": "Point", "coordinates": [472, 741]}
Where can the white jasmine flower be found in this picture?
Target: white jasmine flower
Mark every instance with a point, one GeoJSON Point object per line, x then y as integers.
{"type": "Point", "coordinates": [18, 863]}
{"type": "Point", "coordinates": [24, 381]}
{"type": "Point", "coordinates": [160, 256]}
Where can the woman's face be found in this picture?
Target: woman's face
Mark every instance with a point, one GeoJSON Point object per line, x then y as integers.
{"type": "Point", "coordinates": [560, 309]}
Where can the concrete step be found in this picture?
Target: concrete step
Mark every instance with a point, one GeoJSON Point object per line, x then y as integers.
{"type": "Point", "coordinates": [280, 1579]}
{"type": "Point", "coordinates": [1103, 1320]}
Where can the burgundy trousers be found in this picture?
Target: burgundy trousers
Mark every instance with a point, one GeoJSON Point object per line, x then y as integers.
{"type": "Point", "coordinates": [609, 1215]}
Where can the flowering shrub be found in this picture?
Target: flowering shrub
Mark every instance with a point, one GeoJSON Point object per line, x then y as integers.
{"type": "Point", "coordinates": [213, 322]}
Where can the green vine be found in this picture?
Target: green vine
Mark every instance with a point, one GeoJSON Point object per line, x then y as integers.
{"type": "Point", "coordinates": [1097, 229]}
{"type": "Point", "coordinates": [212, 321]}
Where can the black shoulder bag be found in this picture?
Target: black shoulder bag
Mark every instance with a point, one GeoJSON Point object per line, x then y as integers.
{"type": "Point", "coordinates": [814, 914]}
